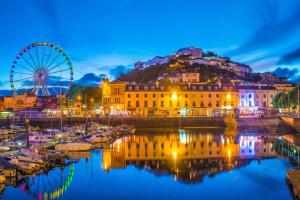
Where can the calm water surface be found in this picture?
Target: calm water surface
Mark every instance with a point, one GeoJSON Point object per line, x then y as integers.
{"type": "Point", "coordinates": [179, 164]}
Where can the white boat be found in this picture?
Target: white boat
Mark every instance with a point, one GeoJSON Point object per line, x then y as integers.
{"type": "Point", "coordinates": [25, 165]}
{"type": "Point", "coordinates": [74, 146]}
{"type": "Point", "coordinates": [34, 137]}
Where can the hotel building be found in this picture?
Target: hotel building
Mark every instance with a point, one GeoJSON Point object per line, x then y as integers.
{"type": "Point", "coordinates": [182, 99]}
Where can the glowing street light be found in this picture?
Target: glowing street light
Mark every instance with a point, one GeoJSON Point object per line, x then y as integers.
{"type": "Point", "coordinates": [228, 96]}
{"type": "Point", "coordinates": [174, 96]}
{"type": "Point", "coordinates": [78, 97]}
{"type": "Point", "coordinates": [174, 155]}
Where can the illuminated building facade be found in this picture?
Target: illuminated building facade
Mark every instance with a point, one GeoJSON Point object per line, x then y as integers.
{"type": "Point", "coordinates": [255, 99]}
{"type": "Point", "coordinates": [183, 99]}
{"type": "Point", "coordinates": [19, 102]}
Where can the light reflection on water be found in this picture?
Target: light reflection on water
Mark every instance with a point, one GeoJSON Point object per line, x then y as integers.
{"type": "Point", "coordinates": [180, 164]}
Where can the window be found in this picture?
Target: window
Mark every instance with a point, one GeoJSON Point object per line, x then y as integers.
{"type": "Point", "coordinates": [186, 104]}
{"type": "Point", "coordinates": [154, 104]}
{"type": "Point", "coordinates": [162, 104]}
{"type": "Point", "coordinates": [145, 104]}
{"type": "Point", "coordinates": [161, 95]}
{"type": "Point", "coordinates": [242, 96]}
{"type": "Point", "coordinates": [209, 95]}
{"type": "Point", "coordinates": [186, 95]}
{"type": "Point", "coordinates": [146, 88]}
{"type": "Point", "coordinates": [137, 104]}
{"type": "Point", "coordinates": [201, 104]}
{"type": "Point", "coordinates": [129, 104]}
{"type": "Point", "coordinates": [250, 103]}
{"type": "Point", "coordinates": [249, 96]}
{"type": "Point", "coordinates": [129, 95]}
{"type": "Point", "coordinates": [154, 95]}
{"type": "Point", "coordinates": [217, 95]}
{"type": "Point", "coordinates": [209, 104]}
{"type": "Point", "coordinates": [145, 95]}
{"type": "Point", "coordinates": [137, 95]}
{"type": "Point", "coordinates": [218, 104]}
{"type": "Point", "coordinates": [265, 96]}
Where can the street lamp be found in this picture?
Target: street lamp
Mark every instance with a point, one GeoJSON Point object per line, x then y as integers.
{"type": "Point", "coordinates": [174, 96]}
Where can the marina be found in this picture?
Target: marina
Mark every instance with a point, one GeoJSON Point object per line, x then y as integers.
{"type": "Point", "coordinates": [172, 163]}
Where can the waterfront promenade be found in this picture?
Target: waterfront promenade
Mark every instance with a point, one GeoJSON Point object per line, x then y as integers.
{"type": "Point", "coordinates": [270, 125]}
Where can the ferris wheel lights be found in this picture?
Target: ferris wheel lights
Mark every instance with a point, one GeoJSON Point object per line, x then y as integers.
{"type": "Point", "coordinates": [41, 65]}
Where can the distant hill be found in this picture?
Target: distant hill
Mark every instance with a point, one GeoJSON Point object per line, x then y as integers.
{"type": "Point", "coordinates": [209, 65]}
{"type": "Point", "coordinates": [208, 73]}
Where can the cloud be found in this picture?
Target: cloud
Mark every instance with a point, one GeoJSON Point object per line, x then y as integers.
{"type": "Point", "coordinates": [290, 57]}
{"type": "Point", "coordinates": [286, 72]}
{"type": "Point", "coordinates": [292, 74]}
{"type": "Point", "coordinates": [90, 79]}
{"type": "Point", "coordinates": [53, 81]}
{"type": "Point", "coordinates": [273, 27]}
{"type": "Point", "coordinates": [48, 12]}
{"type": "Point", "coordinates": [118, 70]}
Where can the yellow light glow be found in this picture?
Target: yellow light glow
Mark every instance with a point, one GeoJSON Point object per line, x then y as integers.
{"type": "Point", "coordinates": [228, 96]}
{"type": "Point", "coordinates": [229, 153]}
{"type": "Point", "coordinates": [174, 96]}
{"type": "Point", "coordinates": [174, 154]}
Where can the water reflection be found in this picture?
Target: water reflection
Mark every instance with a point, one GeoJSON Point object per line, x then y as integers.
{"type": "Point", "coordinates": [188, 155]}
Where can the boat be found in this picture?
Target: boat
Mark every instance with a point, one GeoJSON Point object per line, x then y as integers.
{"type": "Point", "coordinates": [73, 146]}
{"type": "Point", "coordinates": [2, 178]}
{"type": "Point", "coordinates": [34, 137]}
{"type": "Point", "coordinates": [99, 139]}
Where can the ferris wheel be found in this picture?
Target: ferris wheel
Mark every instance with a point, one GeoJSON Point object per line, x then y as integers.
{"type": "Point", "coordinates": [49, 186]}
{"type": "Point", "coordinates": [43, 68]}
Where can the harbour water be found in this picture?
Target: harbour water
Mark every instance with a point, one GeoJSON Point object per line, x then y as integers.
{"type": "Point", "coordinates": [168, 164]}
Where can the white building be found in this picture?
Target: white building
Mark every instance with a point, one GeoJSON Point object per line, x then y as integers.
{"type": "Point", "coordinates": [192, 51]}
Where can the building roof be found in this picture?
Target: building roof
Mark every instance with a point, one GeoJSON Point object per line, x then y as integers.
{"type": "Point", "coordinates": [250, 87]}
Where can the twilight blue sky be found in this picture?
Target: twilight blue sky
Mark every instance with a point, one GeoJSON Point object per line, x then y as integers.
{"type": "Point", "coordinates": [101, 35]}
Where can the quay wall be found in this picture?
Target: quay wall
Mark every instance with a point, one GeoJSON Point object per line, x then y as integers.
{"type": "Point", "coordinates": [273, 125]}
{"type": "Point", "coordinates": [137, 122]}
{"type": "Point", "coordinates": [270, 125]}
{"type": "Point", "coordinates": [293, 122]}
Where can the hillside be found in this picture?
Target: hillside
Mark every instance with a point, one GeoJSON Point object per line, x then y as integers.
{"type": "Point", "coordinates": [207, 73]}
